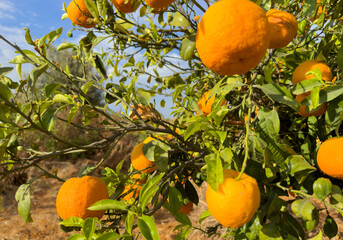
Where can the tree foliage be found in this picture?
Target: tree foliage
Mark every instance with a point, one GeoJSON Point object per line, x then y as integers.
{"type": "Point", "coordinates": [152, 59]}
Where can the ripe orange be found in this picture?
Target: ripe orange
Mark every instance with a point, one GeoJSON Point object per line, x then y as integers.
{"type": "Point", "coordinates": [233, 36]}
{"type": "Point", "coordinates": [186, 209]}
{"type": "Point", "coordinates": [140, 162]}
{"type": "Point", "coordinates": [135, 187]}
{"type": "Point", "coordinates": [299, 73]}
{"type": "Point", "coordinates": [236, 201]}
{"type": "Point", "coordinates": [330, 157]}
{"type": "Point", "coordinates": [205, 103]}
{"type": "Point", "coordinates": [77, 194]}
{"type": "Point", "coordinates": [126, 6]}
{"type": "Point", "coordinates": [78, 13]}
{"type": "Point", "coordinates": [159, 4]}
{"type": "Point", "coordinates": [303, 111]}
{"type": "Point", "coordinates": [284, 27]}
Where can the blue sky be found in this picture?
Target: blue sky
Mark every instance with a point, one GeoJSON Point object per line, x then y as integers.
{"type": "Point", "coordinates": [40, 17]}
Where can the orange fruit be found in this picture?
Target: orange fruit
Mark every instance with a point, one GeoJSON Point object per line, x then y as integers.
{"type": "Point", "coordinates": [78, 13]}
{"type": "Point", "coordinates": [320, 10]}
{"type": "Point", "coordinates": [236, 201]}
{"type": "Point", "coordinates": [135, 187]}
{"type": "Point", "coordinates": [77, 194]}
{"type": "Point", "coordinates": [159, 5]}
{"type": "Point", "coordinates": [330, 157]}
{"type": "Point", "coordinates": [299, 73]}
{"type": "Point", "coordinates": [205, 103]}
{"type": "Point", "coordinates": [186, 208]}
{"type": "Point", "coordinates": [303, 112]}
{"type": "Point", "coordinates": [233, 36]}
{"type": "Point", "coordinates": [126, 6]}
{"type": "Point", "coordinates": [283, 26]}
{"type": "Point", "coordinates": [140, 162]}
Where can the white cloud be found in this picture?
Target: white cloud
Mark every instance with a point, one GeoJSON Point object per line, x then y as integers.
{"type": "Point", "coordinates": [7, 10]}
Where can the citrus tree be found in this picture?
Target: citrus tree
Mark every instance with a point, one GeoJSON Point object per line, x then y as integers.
{"type": "Point", "coordinates": [255, 88]}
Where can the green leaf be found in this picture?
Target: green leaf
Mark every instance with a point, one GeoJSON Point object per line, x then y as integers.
{"type": "Point", "coordinates": [109, 236]}
{"type": "Point", "coordinates": [315, 97]}
{"type": "Point", "coordinates": [214, 170]}
{"type": "Point", "coordinates": [50, 37]}
{"type": "Point", "coordinates": [318, 237]}
{"type": "Point", "coordinates": [148, 190]}
{"type": "Point", "coordinates": [309, 7]}
{"type": "Point", "coordinates": [48, 118]}
{"type": "Point", "coordinates": [191, 193]}
{"type": "Point", "coordinates": [330, 227]}
{"type": "Point", "coordinates": [62, 98]}
{"type": "Point", "coordinates": [204, 215]}
{"type": "Point", "coordinates": [293, 227]}
{"type": "Point", "coordinates": [5, 92]}
{"type": "Point", "coordinates": [129, 221]}
{"type": "Point", "coordinates": [76, 236]}
{"type": "Point", "coordinates": [5, 70]}
{"type": "Point", "coordinates": [143, 96]}
{"type": "Point", "coordinates": [279, 94]}
{"type": "Point", "coordinates": [72, 222]}
{"type": "Point", "coordinates": [22, 196]}
{"type": "Point", "coordinates": [28, 37]}
{"type": "Point", "coordinates": [183, 218]}
{"type": "Point", "coordinates": [51, 88]}
{"type": "Point", "coordinates": [187, 47]}
{"type": "Point", "coordinates": [306, 86]}
{"type": "Point", "coordinates": [325, 95]}
{"type": "Point", "coordinates": [108, 204]}
{"type": "Point", "coordinates": [178, 20]}
{"type": "Point", "coordinates": [174, 202]}
{"type": "Point", "coordinates": [304, 209]}
{"type": "Point", "coordinates": [270, 231]}
{"type": "Point", "coordinates": [322, 187]}
{"type": "Point", "coordinates": [85, 87]}
{"type": "Point", "coordinates": [64, 46]}
{"type": "Point", "coordinates": [340, 57]}
{"type": "Point", "coordinates": [92, 8]}
{"type": "Point", "coordinates": [37, 72]}
{"type": "Point", "coordinates": [299, 167]}
{"type": "Point", "coordinates": [88, 228]}
{"type": "Point", "coordinates": [147, 227]}
{"type": "Point", "coordinates": [195, 127]}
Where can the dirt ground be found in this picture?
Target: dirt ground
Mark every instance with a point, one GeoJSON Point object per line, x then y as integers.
{"type": "Point", "coordinates": [46, 227]}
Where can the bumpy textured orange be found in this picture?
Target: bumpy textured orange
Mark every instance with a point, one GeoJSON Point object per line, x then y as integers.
{"type": "Point", "coordinates": [233, 36]}
{"type": "Point", "coordinates": [186, 209]}
{"type": "Point", "coordinates": [77, 194]}
{"type": "Point", "coordinates": [283, 26]}
{"type": "Point", "coordinates": [302, 111]}
{"type": "Point", "coordinates": [139, 161]}
{"type": "Point", "coordinates": [134, 188]}
{"type": "Point", "coordinates": [236, 202]}
{"type": "Point", "coordinates": [299, 73]}
{"type": "Point", "coordinates": [126, 6]}
{"type": "Point", "coordinates": [78, 13]}
{"type": "Point", "coordinates": [159, 4]}
{"type": "Point", "coordinates": [330, 157]}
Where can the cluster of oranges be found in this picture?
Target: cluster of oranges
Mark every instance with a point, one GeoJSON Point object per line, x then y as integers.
{"type": "Point", "coordinates": [79, 14]}
{"type": "Point", "coordinates": [226, 45]}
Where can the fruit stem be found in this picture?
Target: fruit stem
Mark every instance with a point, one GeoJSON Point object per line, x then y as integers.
{"type": "Point", "coordinates": [247, 133]}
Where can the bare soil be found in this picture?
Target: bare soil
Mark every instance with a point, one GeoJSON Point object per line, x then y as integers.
{"type": "Point", "coordinates": [46, 227]}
